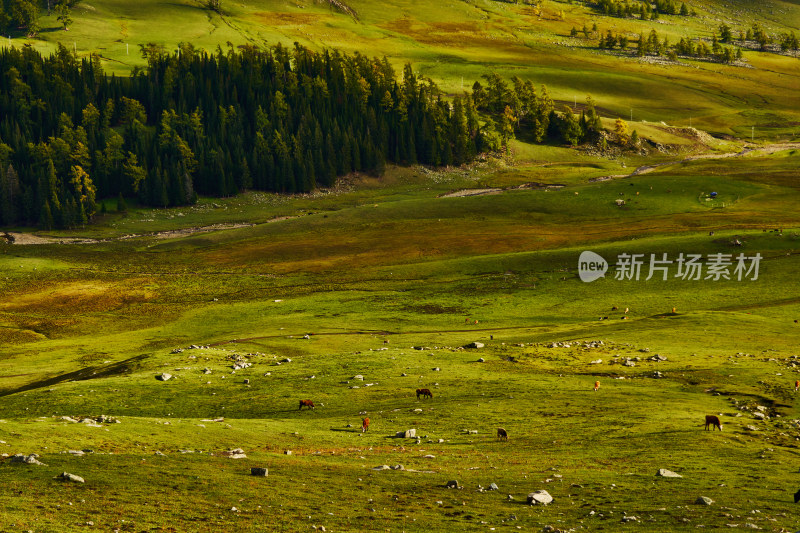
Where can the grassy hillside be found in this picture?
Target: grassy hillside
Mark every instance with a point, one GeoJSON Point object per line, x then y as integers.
{"type": "Point", "coordinates": [356, 296]}
{"type": "Point", "coordinates": [458, 42]}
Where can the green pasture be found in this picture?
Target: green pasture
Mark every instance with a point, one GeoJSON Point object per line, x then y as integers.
{"type": "Point", "coordinates": [389, 278]}
{"type": "Point", "coordinates": [354, 282]}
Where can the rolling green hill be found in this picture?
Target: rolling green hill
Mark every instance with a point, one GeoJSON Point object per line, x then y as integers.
{"type": "Point", "coordinates": [356, 295]}
{"type": "Point", "coordinates": [457, 42]}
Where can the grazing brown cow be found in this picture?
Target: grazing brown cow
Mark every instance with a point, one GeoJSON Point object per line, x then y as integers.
{"type": "Point", "coordinates": [796, 385]}
{"type": "Point", "coordinates": [306, 403]}
{"type": "Point", "coordinates": [713, 421]}
{"type": "Point", "coordinates": [596, 385]}
{"type": "Point", "coordinates": [424, 393]}
{"type": "Point", "coordinates": [364, 424]}
{"type": "Point", "coordinates": [502, 434]}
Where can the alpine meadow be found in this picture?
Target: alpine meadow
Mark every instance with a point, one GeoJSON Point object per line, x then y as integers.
{"type": "Point", "coordinates": [408, 266]}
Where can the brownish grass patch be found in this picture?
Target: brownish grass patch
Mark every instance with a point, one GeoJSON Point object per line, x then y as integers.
{"type": "Point", "coordinates": [275, 18]}
{"type": "Point", "coordinates": [75, 297]}
{"type": "Point", "coordinates": [18, 336]}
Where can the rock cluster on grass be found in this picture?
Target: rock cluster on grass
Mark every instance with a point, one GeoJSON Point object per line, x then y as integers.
{"type": "Point", "coordinates": [236, 453]}
{"type": "Point", "coordinates": [239, 362]}
{"type": "Point", "coordinates": [703, 500]}
{"type": "Point", "coordinates": [90, 420]}
{"type": "Point", "coordinates": [663, 472]}
{"type": "Point", "coordinates": [474, 345]}
{"type": "Point", "coordinates": [164, 377]}
{"type": "Point", "coordinates": [587, 344]}
{"type": "Point", "coordinates": [453, 484]}
{"type": "Point", "coordinates": [258, 471]}
{"type": "Point", "coordinates": [30, 459]}
{"type": "Point", "coordinates": [407, 434]}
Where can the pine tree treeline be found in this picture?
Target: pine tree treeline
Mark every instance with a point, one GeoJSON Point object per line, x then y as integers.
{"type": "Point", "coordinates": [282, 119]}
{"type": "Point", "coordinates": [653, 45]}
{"type": "Point", "coordinates": [642, 10]}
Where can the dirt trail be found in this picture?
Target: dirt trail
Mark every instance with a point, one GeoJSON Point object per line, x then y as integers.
{"type": "Point", "coordinates": [29, 238]}
{"type": "Point", "coordinates": [481, 192]}
{"type": "Point", "coordinates": [644, 169]}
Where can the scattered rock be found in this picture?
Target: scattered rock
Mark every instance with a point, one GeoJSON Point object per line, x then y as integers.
{"type": "Point", "coordinates": [286, 360]}
{"type": "Point", "coordinates": [31, 459]}
{"type": "Point", "coordinates": [437, 369]}
{"type": "Point", "coordinates": [481, 360]}
{"type": "Point", "coordinates": [65, 476]}
{"type": "Point", "coordinates": [407, 434]}
{"type": "Point", "coordinates": [539, 497]}
{"type": "Point", "coordinates": [663, 472]}
{"type": "Point", "coordinates": [287, 452]}
{"type": "Point", "coordinates": [658, 374]}
{"type": "Point", "coordinates": [629, 519]}
{"type": "Point", "coordinates": [453, 484]}
{"type": "Point", "coordinates": [475, 344]}
{"type": "Point", "coordinates": [398, 467]}
{"type": "Point", "coordinates": [383, 467]}
{"type": "Point", "coordinates": [164, 377]}
{"type": "Point", "coordinates": [493, 486]}
{"type": "Point", "coordinates": [359, 377]}
{"type": "Point", "coordinates": [236, 453]}
{"type": "Point", "coordinates": [258, 471]}
{"type": "Point", "coordinates": [703, 500]}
